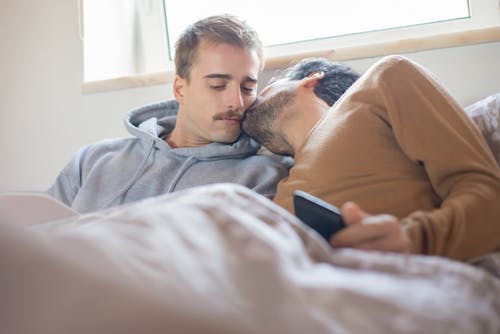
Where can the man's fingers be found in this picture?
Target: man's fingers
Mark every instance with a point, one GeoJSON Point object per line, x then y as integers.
{"type": "Point", "coordinates": [400, 244]}
{"type": "Point", "coordinates": [370, 232]}
{"type": "Point", "coordinates": [371, 228]}
{"type": "Point", "coordinates": [352, 213]}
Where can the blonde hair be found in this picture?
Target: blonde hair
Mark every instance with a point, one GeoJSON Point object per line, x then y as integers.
{"type": "Point", "coordinates": [217, 29]}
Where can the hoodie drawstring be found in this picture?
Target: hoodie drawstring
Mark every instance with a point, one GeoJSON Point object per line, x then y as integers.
{"type": "Point", "coordinates": [189, 161]}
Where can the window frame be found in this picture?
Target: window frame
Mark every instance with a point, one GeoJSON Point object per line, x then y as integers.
{"type": "Point", "coordinates": [482, 27]}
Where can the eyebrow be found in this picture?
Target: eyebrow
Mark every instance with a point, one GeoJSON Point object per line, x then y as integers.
{"type": "Point", "coordinates": [229, 77]}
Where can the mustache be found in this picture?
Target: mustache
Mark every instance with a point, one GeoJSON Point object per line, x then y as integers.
{"type": "Point", "coordinates": [231, 114]}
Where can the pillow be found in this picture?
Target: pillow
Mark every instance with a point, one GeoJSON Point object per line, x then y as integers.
{"type": "Point", "coordinates": [486, 114]}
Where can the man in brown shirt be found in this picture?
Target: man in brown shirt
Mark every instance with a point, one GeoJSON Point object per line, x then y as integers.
{"type": "Point", "coordinates": [395, 145]}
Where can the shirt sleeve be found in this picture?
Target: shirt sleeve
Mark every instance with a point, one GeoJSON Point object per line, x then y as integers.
{"type": "Point", "coordinates": [433, 130]}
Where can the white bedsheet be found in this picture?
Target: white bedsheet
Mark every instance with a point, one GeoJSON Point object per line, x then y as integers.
{"type": "Point", "coordinates": [221, 259]}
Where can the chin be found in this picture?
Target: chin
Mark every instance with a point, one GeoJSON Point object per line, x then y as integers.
{"type": "Point", "coordinates": [228, 139]}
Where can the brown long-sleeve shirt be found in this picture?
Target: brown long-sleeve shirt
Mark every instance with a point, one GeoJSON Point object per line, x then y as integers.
{"type": "Point", "coordinates": [397, 143]}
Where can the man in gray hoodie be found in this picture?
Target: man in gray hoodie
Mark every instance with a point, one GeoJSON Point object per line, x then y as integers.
{"type": "Point", "coordinates": [193, 140]}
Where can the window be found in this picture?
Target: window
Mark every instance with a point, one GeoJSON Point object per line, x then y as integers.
{"type": "Point", "coordinates": [283, 22]}
{"type": "Point", "coordinates": [125, 38]}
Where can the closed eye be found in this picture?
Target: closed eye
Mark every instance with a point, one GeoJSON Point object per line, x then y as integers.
{"type": "Point", "coordinates": [248, 90]}
{"type": "Point", "coordinates": [218, 87]}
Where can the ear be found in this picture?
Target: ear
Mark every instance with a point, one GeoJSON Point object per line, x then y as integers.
{"type": "Point", "coordinates": [312, 79]}
{"type": "Point", "coordinates": [178, 86]}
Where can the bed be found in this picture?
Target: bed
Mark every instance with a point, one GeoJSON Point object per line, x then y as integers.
{"type": "Point", "coordinates": [222, 259]}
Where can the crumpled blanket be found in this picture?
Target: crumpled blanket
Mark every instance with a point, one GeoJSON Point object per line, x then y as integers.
{"type": "Point", "coordinates": [222, 259]}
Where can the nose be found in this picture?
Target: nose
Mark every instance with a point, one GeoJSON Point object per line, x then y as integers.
{"type": "Point", "coordinates": [234, 99]}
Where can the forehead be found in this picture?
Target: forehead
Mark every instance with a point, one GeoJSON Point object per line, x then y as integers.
{"type": "Point", "coordinates": [226, 59]}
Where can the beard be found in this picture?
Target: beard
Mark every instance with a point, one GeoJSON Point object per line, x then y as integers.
{"type": "Point", "coordinates": [260, 122]}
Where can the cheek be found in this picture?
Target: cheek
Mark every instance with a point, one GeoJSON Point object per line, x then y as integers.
{"type": "Point", "coordinates": [248, 101]}
{"type": "Point", "coordinates": [261, 116]}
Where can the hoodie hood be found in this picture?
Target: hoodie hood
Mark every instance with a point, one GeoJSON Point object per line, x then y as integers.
{"type": "Point", "coordinates": [153, 122]}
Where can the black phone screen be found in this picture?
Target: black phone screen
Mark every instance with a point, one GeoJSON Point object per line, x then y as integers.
{"type": "Point", "coordinates": [321, 216]}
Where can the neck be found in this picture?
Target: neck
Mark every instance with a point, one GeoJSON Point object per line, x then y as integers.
{"type": "Point", "coordinates": [302, 122]}
{"type": "Point", "coordinates": [170, 140]}
{"type": "Point", "coordinates": [184, 134]}
{"type": "Point", "coordinates": [178, 138]}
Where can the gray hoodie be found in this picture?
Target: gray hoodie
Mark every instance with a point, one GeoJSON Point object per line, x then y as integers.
{"type": "Point", "coordinates": [117, 171]}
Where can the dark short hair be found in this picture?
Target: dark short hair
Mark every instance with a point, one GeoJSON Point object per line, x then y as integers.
{"type": "Point", "coordinates": [338, 77]}
{"type": "Point", "coordinates": [217, 29]}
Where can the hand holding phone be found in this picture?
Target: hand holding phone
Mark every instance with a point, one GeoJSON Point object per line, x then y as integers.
{"type": "Point", "coordinates": [321, 216]}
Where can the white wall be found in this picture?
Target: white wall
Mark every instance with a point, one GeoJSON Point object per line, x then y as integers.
{"type": "Point", "coordinates": [44, 117]}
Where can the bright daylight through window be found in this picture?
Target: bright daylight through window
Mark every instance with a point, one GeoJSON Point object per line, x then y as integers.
{"type": "Point", "coordinates": [129, 37]}
{"type": "Point", "coordinates": [280, 22]}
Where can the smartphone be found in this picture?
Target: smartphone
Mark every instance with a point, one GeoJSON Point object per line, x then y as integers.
{"type": "Point", "coordinates": [321, 216]}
